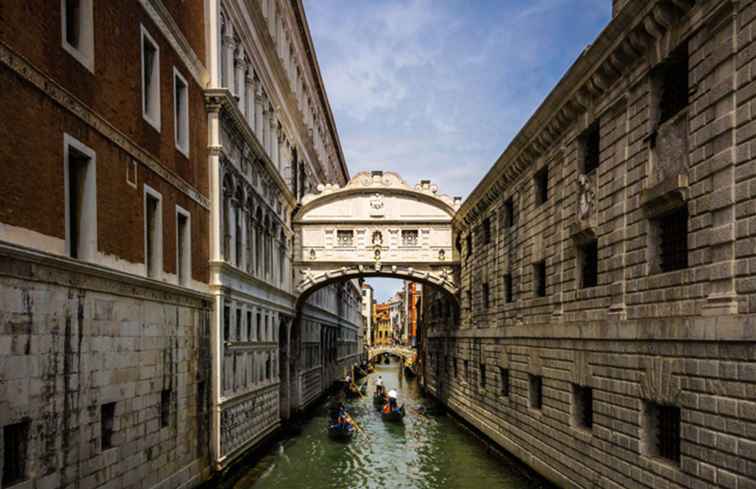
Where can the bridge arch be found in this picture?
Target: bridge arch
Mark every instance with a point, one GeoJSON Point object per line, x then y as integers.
{"type": "Point", "coordinates": [375, 226]}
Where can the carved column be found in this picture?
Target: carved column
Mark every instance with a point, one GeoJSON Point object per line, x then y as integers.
{"type": "Point", "coordinates": [249, 88]}
{"type": "Point", "coordinates": [259, 102]}
{"type": "Point", "coordinates": [229, 46]}
{"type": "Point", "coordinates": [239, 88]}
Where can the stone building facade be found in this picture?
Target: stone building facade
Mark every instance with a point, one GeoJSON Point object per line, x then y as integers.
{"type": "Point", "coordinates": [104, 202]}
{"type": "Point", "coordinates": [272, 140]}
{"type": "Point", "coordinates": [605, 332]}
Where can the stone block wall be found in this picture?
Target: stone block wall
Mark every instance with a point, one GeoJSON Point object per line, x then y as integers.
{"type": "Point", "coordinates": [75, 338]}
{"type": "Point", "coordinates": [643, 340]}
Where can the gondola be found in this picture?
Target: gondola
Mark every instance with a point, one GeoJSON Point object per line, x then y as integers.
{"type": "Point", "coordinates": [352, 392]}
{"type": "Point", "coordinates": [410, 370]}
{"type": "Point", "coordinates": [393, 416]}
{"type": "Point", "coordinates": [379, 400]}
{"type": "Point", "coordinates": [343, 431]}
{"type": "Point", "coordinates": [363, 388]}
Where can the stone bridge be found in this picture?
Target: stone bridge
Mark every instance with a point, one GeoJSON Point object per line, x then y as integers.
{"type": "Point", "coordinates": [376, 225]}
{"type": "Point", "coordinates": [403, 352]}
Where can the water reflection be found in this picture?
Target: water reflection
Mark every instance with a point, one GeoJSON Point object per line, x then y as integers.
{"type": "Point", "coordinates": [423, 452]}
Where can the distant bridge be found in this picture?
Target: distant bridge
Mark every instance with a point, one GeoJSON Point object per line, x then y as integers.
{"type": "Point", "coordinates": [403, 352]}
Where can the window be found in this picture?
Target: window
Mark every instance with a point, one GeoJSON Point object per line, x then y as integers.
{"type": "Point", "coordinates": [15, 448]}
{"type": "Point", "coordinates": [165, 408]}
{"type": "Point", "coordinates": [80, 200]}
{"type": "Point", "coordinates": [150, 80]}
{"type": "Point", "coordinates": [456, 368]}
{"type": "Point", "coordinates": [226, 323]}
{"type": "Point", "coordinates": [409, 237]}
{"type": "Point", "coordinates": [267, 368]}
{"type": "Point", "coordinates": [583, 406]}
{"type": "Point", "coordinates": [590, 143]}
{"type": "Point", "coordinates": [181, 112]}
{"type": "Point", "coordinates": [588, 264]}
{"type": "Point", "coordinates": [467, 370]}
{"type": "Point", "coordinates": [541, 186]}
{"type": "Point", "coordinates": [536, 391]}
{"type": "Point", "coordinates": [509, 216]}
{"type": "Point", "coordinates": [539, 278]}
{"type": "Point", "coordinates": [249, 325]}
{"type": "Point", "coordinates": [662, 431]}
{"type": "Point", "coordinates": [486, 298]}
{"type": "Point", "coordinates": [259, 327]}
{"type": "Point", "coordinates": [153, 233]}
{"type": "Point", "coordinates": [508, 291]}
{"type": "Point", "coordinates": [671, 245]}
{"type": "Point", "coordinates": [183, 246]}
{"type": "Point", "coordinates": [469, 244]}
{"type": "Point", "coordinates": [504, 379]}
{"type": "Point", "coordinates": [238, 324]}
{"type": "Point", "coordinates": [77, 31]}
{"type": "Point", "coordinates": [468, 296]}
{"type": "Point", "coordinates": [344, 238]}
{"type": "Point", "coordinates": [487, 230]}
{"type": "Point", "coordinates": [107, 417]}
{"type": "Point", "coordinates": [482, 375]}
{"type": "Point", "coordinates": [671, 80]}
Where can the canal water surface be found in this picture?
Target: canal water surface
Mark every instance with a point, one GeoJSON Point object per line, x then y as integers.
{"type": "Point", "coordinates": [423, 452]}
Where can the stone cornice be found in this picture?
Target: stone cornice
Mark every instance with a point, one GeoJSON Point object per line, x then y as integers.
{"type": "Point", "coordinates": [38, 266]}
{"type": "Point", "coordinates": [162, 18]}
{"type": "Point", "coordinates": [315, 67]}
{"type": "Point", "coordinates": [620, 45]}
{"type": "Point", "coordinates": [58, 94]}
{"type": "Point", "coordinates": [220, 99]}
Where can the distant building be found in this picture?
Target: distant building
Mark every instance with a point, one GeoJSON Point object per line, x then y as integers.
{"type": "Point", "coordinates": [396, 316]}
{"type": "Point", "coordinates": [367, 311]}
{"type": "Point", "coordinates": [381, 320]}
{"type": "Point", "coordinates": [412, 293]}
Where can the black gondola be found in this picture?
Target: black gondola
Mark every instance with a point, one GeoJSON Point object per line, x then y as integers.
{"type": "Point", "coordinates": [341, 431]}
{"type": "Point", "coordinates": [379, 400]}
{"type": "Point", "coordinates": [394, 415]}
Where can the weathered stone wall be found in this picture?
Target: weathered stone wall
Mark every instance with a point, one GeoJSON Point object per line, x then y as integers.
{"type": "Point", "coordinates": [74, 337]}
{"type": "Point", "coordinates": [681, 338]}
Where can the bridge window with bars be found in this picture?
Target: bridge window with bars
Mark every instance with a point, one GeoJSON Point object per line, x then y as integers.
{"type": "Point", "coordinates": [345, 238]}
{"type": "Point", "coordinates": [410, 237]}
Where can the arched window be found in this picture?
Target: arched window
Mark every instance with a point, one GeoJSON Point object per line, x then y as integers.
{"type": "Point", "coordinates": [250, 208]}
{"type": "Point", "coordinates": [268, 268]}
{"type": "Point", "coordinates": [225, 231]}
{"type": "Point", "coordinates": [259, 251]}
{"type": "Point", "coordinates": [238, 234]}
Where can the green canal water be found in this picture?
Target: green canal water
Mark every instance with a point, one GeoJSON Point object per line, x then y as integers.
{"type": "Point", "coordinates": [423, 452]}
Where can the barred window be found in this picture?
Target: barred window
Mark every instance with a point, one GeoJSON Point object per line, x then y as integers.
{"type": "Point", "coordinates": [588, 264]}
{"type": "Point", "coordinates": [15, 444]}
{"type": "Point", "coordinates": [539, 278]}
{"type": "Point", "coordinates": [509, 215]}
{"type": "Point", "coordinates": [508, 291]}
{"type": "Point", "coordinates": [483, 375]}
{"type": "Point", "coordinates": [672, 81]}
{"type": "Point", "coordinates": [583, 408]}
{"type": "Point", "coordinates": [536, 391]}
{"type": "Point", "coordinates": [487, 230]}
{"type": "Point", "coordinates": [504, 379]}
{"type": "Point", "coordinates": [663, 426]}
{"type": "Point", "coordinates": [486, 296]}
{"type": "Point", "coordinates": [541, 186]}
{"type": "Point", "coordinates": [590, 143]}
{"type": "Point", "coordinates": [165, 408]}
{"type": "Point", "coordinates": [107, 420]}
{"type": "Point", "coordinates": [673, 240]}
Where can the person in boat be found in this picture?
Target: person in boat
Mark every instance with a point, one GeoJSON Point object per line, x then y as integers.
{"type": "Point", "coordinates": [392, 404]}
{"type": "Point", "coordinates": [379, 385]}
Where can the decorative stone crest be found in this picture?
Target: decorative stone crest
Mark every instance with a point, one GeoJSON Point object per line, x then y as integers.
{"type": "Point", "coordinates": [441, 255]}
{"type": "Point", "coordinates": [377, 238]}
{"type": "Point", "coordinates": [586, 197]}
{"type": "Point", "coordinates": [313, 255]}
{"type": "Point", "coordinates": [658, 383]}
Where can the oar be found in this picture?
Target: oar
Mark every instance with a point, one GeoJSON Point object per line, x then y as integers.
{"type": "Point", "coordinates": [352, 420]}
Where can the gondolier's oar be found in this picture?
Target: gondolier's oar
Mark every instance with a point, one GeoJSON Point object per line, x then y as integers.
{"type": "Point", "coordinates": [354, 423]}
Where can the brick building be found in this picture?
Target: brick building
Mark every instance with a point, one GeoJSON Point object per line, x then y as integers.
{"type": "Point", "coordinates": [104, 205]}
{"type": "Point", "coordinates": [607, 294]}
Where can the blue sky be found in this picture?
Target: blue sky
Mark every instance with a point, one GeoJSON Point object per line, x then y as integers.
{"type": "Point", "coordinates": [438, 89]}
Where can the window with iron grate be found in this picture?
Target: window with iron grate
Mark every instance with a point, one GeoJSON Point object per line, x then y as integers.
{"type": "Point", "coordinates": [672, 81]}
{"type": "Point", "coordinates": [539, 278]}
{"type": "Point", "coordinates": [165, 408]}
{"type": "Point", "coordinates": [487, 230]}
{"type": "Point", "coordinates": [663, 428]}
{"type": "Point", "coordinates": [15, 445]}
{"type": "Point", "coordinates": [673, 240]}
{"type": "Point", "coordinates": [486, 296]}
{"type": "Point", "coordinates": [504, 380]}
{"type": "Point", "coordinates": [541, 186]}
{"type": "Point", "coordinates": [509, 215]}
{"type": "Point", "coordinates": [588, 264]}
{"type": "Point", "coordinates": [482, 375]}
{"type": "Point", "coordinates": [107, 421]}
{"type": "Point", "coordinates": [536, 391]}
{"type": "Point", "coordinates": [590, 142]}
{"type": "Point", "coordinates": [583, 406]}
{"type": "Point", "coordinates": [508, 291]}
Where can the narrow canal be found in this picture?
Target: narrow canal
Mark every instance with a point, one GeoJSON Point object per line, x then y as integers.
{"type": "Point", "coordinates": [424, 452]}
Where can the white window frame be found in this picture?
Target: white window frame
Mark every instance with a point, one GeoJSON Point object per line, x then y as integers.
{"type": "Point", "coordinates": [85, 53]}
{"type": "Point", "coordinates": [153, 119]}
{"type": "Point", "coordinates": [88, 239]}
{"type": "Point", "coordinates": [158, 243]}
{"type": "Point", "coordinates": [186, 268]}
{"type": "Point", "coordinates": [184, 117]}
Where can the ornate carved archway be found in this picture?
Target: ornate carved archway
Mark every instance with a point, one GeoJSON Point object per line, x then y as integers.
{"type": "Point", "coordinates": [376, 224]}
